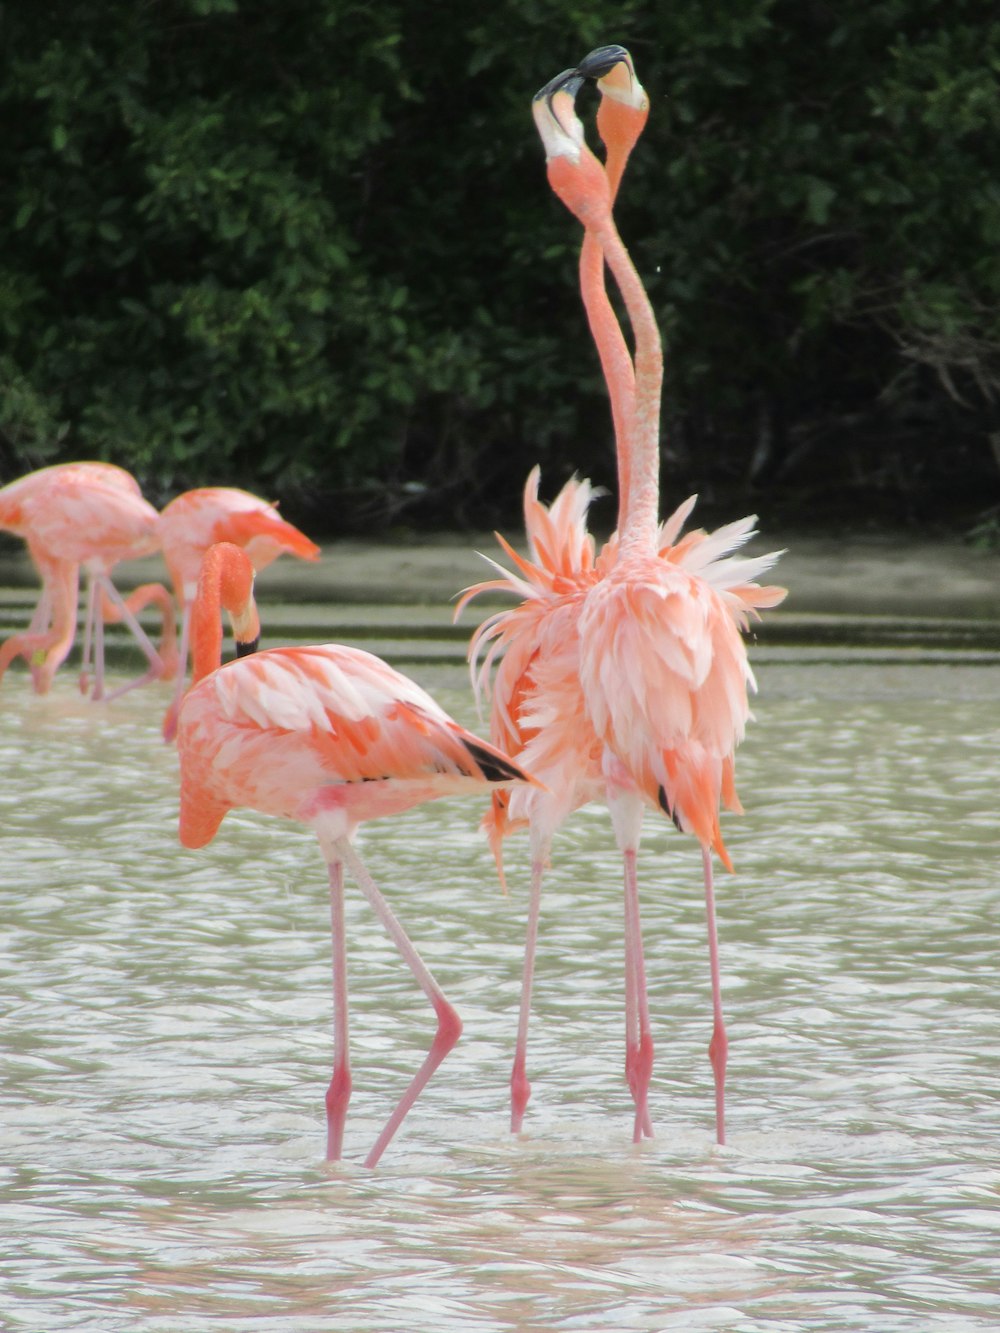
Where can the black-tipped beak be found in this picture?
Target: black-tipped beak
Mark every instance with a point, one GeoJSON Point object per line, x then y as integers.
{"type": "Point", "coordinates": [244, 649]}
{"type": "Point", "coordinates": [602, 60]}
{"type": "Point", "coordinates": [569, 81]}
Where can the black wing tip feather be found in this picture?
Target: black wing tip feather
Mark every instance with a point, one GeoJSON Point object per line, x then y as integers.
{"type": "Point", "coordinates": [493, 766]}
{"type": "Point", "coordinates": [666, 808]}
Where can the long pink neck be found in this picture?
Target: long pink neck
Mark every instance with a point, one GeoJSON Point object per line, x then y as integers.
{"type": "Point", "coordinates": [641, 501]}
{"type": "Point", "coordinates": [612, 349]}
{"type": "Point", "coordinates": [217, 569]}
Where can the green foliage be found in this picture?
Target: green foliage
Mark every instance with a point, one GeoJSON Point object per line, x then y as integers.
{"type": "Point", "coordinates": [309, 247]}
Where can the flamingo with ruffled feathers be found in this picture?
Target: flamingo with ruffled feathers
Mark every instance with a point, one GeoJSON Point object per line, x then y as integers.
{"type": "Point", "coordinates": [663, 664]}
{"type": "Point", "coordinates": [539, 706]}
{"type": "Point", "coordinates": [535, 644]}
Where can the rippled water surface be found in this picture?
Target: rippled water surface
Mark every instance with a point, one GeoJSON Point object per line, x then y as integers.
{"type": "Point", "coordinates": [166, 1020]}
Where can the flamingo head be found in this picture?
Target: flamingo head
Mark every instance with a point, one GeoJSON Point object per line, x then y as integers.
{"type": "Point", "coordinates": [574, 172]}
{"type": "Point", "coordinates": [624, 107]}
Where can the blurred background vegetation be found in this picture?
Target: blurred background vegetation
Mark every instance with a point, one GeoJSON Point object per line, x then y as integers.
{"type": "Point", "coordinates": [308, 248]}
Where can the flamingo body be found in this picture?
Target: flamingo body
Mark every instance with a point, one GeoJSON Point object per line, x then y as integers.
{"type": "Point", "coordinates": [79, 512]}
{"type": "Point", "coordinates": [197, 519]}
{"type": "Point", "coordinates": [535, 696]}
{"type": "Point", "coordinates": [326, 735]}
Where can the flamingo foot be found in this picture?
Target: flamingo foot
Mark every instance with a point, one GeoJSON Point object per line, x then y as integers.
{"type": "Point", "coordinates": [642, 1068]}
{"type": "Point", "coordinates": [718, 1049]}
{"type": "Point", "coordinates": [520, 1091]}
{"type": "Point", "coordinates": [632, 1079]}
{"type": "Point", "coordinates": [338, 1095]}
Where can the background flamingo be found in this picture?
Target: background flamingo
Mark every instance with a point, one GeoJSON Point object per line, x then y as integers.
{"type": "Point", "coordinates": [196, 520]}
{"type": "Point", "coordinates": [89, 514]}
{"type": "Point", "coordinates": [329, 736]}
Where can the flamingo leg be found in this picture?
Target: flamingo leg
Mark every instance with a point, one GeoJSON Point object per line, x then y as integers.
{"type": "Point", "coordinates": [41, 619]}
{"type": "Point", "coordinates": [520, 1088]}
{"type": "Point", "coordinates": [156, 667]}
{"type": "Point", "coordinates": [170, 717]}
{"type": "Point", "coordinates": [98, 631]}
{"type": "Point", "coordinates": [42, 614]}
{"type": "Point", "coordinates": [719, 1045]}
{"type": "Point", "coordinates": [338, 1094]}
{"type": "Point", "coordinates": [449, 1024]}
{"type": "Point", "coordinates": [88, 635]}
{"type": "Point", "coordinates": [632, 1003]}
{"type": "Point", "coordinates": [639, 1062]}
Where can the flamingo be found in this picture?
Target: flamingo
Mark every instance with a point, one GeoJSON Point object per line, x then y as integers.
{"type": "Point", "coordinates": [663, 665]}
{"type": "Point", "coordinates": [329, 736]}
{"type": "Point", "coordinates": [196, 520]}
{"type": "Point", "coordinates": [539, 705]}
{"type": "Point", "coordinates": [538, 639]}
{"type": "Point", "coordinates": [90, 514]}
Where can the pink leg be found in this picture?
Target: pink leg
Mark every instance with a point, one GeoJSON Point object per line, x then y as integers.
{"type": "Point", "coordinates": [449, 1024]}
{"type": "Point", "coordinates": [520, 1088]}
{"type": "Point", "coordinates": [88, 635]}
{"type": "Point", "coordinates": [639, 1062]}
{"type": "Point", "coordinates": [41, 619]}
{"type": "Point", "coordinates": [632, 1003]}
{"type": "Point", "coordinates": [139, 634]}
{"type": "Point", "coordinates": [98, 690]}
{"type": "Point", "coordinates": [170, 717]}
{"type": "Point", "coordinates": [719, 1045]}
{"type": "Point", "coordinates": [338, 1094]}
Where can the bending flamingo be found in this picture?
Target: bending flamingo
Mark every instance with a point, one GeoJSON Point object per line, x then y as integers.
{"type": "Point", "coordinates": [196, 520]}
{"type": "Point", "coordinates": [331, 737]}
{"type": "Point", "coordinates": [663, 666]}
{"type": "Point", "coordinates": [89, 514]}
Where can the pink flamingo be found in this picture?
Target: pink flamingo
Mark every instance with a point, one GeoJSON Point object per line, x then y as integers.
{"type": "Point", "coordinates": [89, 514]}
{"type": "Point", "coordinates": [663, 666]}
{"type": "Point", "coordinates": [539, 705]}
{"type": "Point", "coordinates": [329, 736]}
{"type": "Point", "coordinates": [196, 520]}
{"type": "Point", "coordinates": [536, 697]}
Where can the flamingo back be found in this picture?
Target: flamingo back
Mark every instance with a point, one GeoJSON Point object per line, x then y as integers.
{"type": "Point", "coordinates": [301, 731]}
{"type": "Point", "coordinates": [197, 519]}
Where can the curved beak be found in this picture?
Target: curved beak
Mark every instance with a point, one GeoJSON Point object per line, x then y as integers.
{"type": "Point", "coordinates": [602, 60]}
{"type": "Point", "coordinates": [246, 628]}
{"type": "Point", "coordinates": [554, 110]}
{"type": "Point", "coordinates": [612, 69]}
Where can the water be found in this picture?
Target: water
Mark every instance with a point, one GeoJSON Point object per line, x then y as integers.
{"type": "Point", "coordinates": [166, 1019]}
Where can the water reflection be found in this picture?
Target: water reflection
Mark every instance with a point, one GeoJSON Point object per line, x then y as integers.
{"type": "Point", "coordinates": [166, 1045]}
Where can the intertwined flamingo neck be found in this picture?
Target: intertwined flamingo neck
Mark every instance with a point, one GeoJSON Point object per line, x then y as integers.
{"type": "Point", "coordinates": [640, 506]}
{"type": "Point", "coordinates": [580, 181]}
{"type": "Point", "coordinates": [621, 118]}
